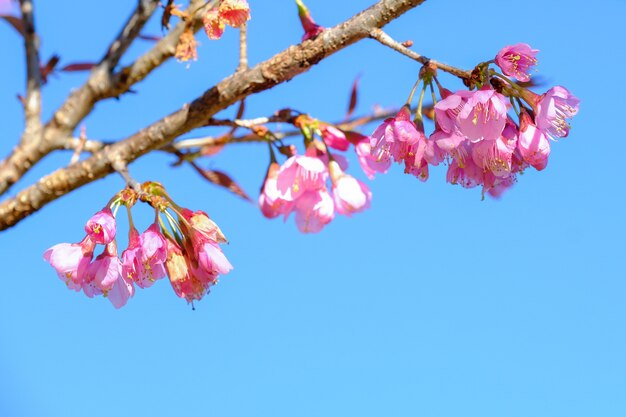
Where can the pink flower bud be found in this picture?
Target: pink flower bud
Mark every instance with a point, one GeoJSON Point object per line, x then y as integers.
{"type": "Point", "coordinates": [334, 138]}
{"type": "Point", "coordinates": [311, 29]}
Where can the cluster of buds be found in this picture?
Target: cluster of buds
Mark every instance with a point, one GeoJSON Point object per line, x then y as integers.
{"type": "Point", "coordinates": [181, 244]}
{"type": "Point", "coordinates": [300, 184]}
{"type": "Point", "coordinates": [216, 14]}
{"type": "Point", "coordinates": [474, 133]}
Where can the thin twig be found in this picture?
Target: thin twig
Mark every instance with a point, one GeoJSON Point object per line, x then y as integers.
{"type": "Point", "coordinates": [209, 141]}
{"type": "Point", "coordinates": [387, 40]}
{"type": "Point", "coordinates": [32, 104]}
{"type": "Point", "coordinates": [243, 48]}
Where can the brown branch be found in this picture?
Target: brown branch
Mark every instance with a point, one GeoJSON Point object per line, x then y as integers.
{"type": "Point", "coordinates": [387, 40]}
{"type": "Point", "coordinates": [209, 141]}
{"type": "Point", "coordinates": [32, 104]}
{"type": "Point", "coordinates": [282, 67]}
{"type": "Point", "coordinates": [77, 106]}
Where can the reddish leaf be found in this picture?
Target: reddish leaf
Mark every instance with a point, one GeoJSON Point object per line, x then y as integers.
{"type": "Point", "coordinates": [48, 69]}
{"type": "Point", "coordinates": [152, 38]}
{"type": "Point", "coordinates": [221, 179]}
{"type": "Point", "coordinates": [15, 22]}
{"type": "Point", "coordinates": [353, 97]}
{"type": "Point", "coordinates": [78, 66]}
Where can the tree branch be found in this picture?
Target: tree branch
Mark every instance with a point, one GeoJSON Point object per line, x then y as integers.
{"type": "Point", "coordinates": [32, 105]}
{"type": "Point", "coordinates": [282, 67]}
{"type": "Point", "coordinates": [77, 106]}
{"type": "Point", "coordinates": [387, 40]}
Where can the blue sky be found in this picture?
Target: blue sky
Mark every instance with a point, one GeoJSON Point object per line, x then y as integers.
{"type": "Point", "coordinates": [431, 303]}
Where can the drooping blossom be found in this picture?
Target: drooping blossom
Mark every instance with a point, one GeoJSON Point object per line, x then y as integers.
{"type": "Point", "coordinates": [314, 210]}
{"type": "Point", "coordinates": [184, 284]}
{"type": "Point", "coordinates": [483, 115]}
{"type": "Point", "coordinates": [368, 162]}
{"type": "Point", "coordinates": [299, 174]}
{"type": "Point", "coordinates": [496, 156]}
{"type": "Point", "coordinates": [464, 171]}
{"type": "Point", "coordinates": [186, 49]}
{"type": "Point", "coordinates": [70, 260]}
{"type": "Point", "coordinates": [212, 260]}
{"type": "Point", "coordinates": [553, 107]}
{"type": "Point", "coordinates": [102, 273]}
{"type": "Point", "coordinates": [311, 29]}
{"type": "Point", "coordinates": [533, 144]}
{"type": "Point", "coordinates": [516, 60]}
{"type": "Point", "coordinates": [234, 13]}
{"type": "Point", "coordinates": [270, 203]}
{"type": "Point", "coordinates": [131, 259]}
{"type": "Point", "coordinates": [152, 256]}
{"type": "Point", "coordinates": [349, 194]}
{"type": "Point", "coordinates": [204, 256]}
{"type": "Point", "coordinates": [122, 290]}
{"type": "Point", "coordinates": [101, 226]}
{"type": "Point", "coordinates": [394, 137]}
{"type": "Point", "coordinates": [202, 227]}
{"type": "Point", "coordinates": [415, 162]}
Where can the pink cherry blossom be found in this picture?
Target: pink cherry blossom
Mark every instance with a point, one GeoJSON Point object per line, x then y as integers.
{"type": "Point", "coordinates": [199, 226]}
{"type": "Point", "coordinates": [497, 156]}
{"type": "Point", "coordinates": [464, 172]}
{"type": "Point", "coordinates": [184, 285]}
{"type": "Point", "coordinates": [516, 60]}
{"type": "Point", "coordinates": [234, 13]}
{"type": "Point", "coordinates": [71, 260]}
{"type": "Point", "coordinates": [131, 257]}
{"type": "Point", "coordinates": [334, 138]}
{"type": "Point", "coordinates": [212, 260]}
{"type": "Point", "coordinates": [152, 256]}
{"type": "Point", "coordinates": [533, 144]}
{"type": "Point", "coordinates": [269, 200]}
{"type": "Point", "coordinates": [368, 163]}
{"type": "Point", "coordinates": [394, 137]}
{"type": "Point", "coordinates": [484, 114]}
{"type": "Point", "coordinates": [349, 194]}
{"type": "Point", "coordinates": [553, 107]}
{"type": "Point", "coordinates": [122, 290]}
{"type": "Point", "coordinates": [103, 272]}
{"type": "Point", "coordinates": [300, 174]}
{"type": "Point", "coordinates": [314, 210]}
{"type": "Point", "coordinates": [101, 227]}
{"type": "Point", "coordinates": [415, 162]}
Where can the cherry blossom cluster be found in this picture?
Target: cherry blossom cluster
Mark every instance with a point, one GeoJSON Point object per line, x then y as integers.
{"type": "Point", "coordinates": [216, 15]}
{"type": "Point", "coordinates": [315, 186]}
{"type": "Point", "coordinates": [474, 135]}
{"type": "Point", "coordinates": [481, 143]}
{"type": "Point", "coordinates": [187, 251]}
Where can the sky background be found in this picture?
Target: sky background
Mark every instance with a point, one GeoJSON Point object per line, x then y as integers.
{"type": "Point", "coordinates": [431, 303]}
